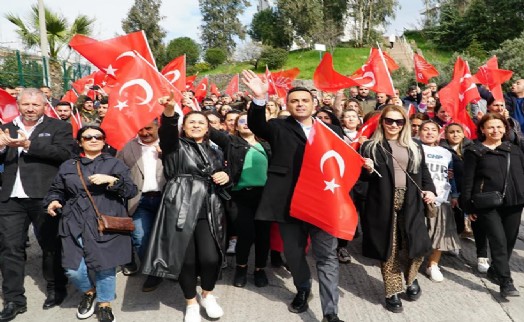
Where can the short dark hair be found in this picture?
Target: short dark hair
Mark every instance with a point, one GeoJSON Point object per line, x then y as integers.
{"type": "Point", "coordinates": [488, 117]}
{"type": "Point", "coordinates": [299, 89]}
{"type": "Point", "coordinates": [64, 103]}
{"type": "Point", "coordinates": [419, 116]}
{"type": "Point", "coordinates": [87, 127]}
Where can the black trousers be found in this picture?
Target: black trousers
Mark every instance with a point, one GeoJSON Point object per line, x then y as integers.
{"type": "Point", "coordinates": [248, 229]}
{"type": "Point", "coordinates": [15, 217]}
{"type": "Point", "coordinates": [502, 227]}
{"type": "Point", "coordinates": [202, 259]}
{"type": "Point", "coordinates": [481, 240]}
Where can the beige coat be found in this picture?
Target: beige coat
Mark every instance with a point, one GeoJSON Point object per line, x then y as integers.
{"type": "Point", "coordinates": [131, 154]}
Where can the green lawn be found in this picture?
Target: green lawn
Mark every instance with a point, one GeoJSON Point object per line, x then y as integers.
{"type": "Point", "coordinates": [429, 50]}
{"type": "Point", "coordinates": [345, 60]}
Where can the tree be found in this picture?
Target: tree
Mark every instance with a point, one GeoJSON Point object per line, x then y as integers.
{"type": "Point", "coordinates": [305, 17]}
{"type": "Point", "coordinates": [221, 23]}
{"type": "Point", "coordinates": [249, 52]}
{"type": "Point", "coordinates": [274, 57]}
{"type": "Point", "coordinates": [215, 56]}
{"type": "Point", "coordinates": [181, 46]}
{"type": "Point", "coordinates": [271, 28]}
{"type": "Point", "coordinates": [145, 15]}
{"type": "Point", "coordinates": [59, 32]}
{"type": "Point", "coordinates": [367, 15]}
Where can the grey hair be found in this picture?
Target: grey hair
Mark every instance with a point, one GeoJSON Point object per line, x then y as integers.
{"type": "Point", "coordinates": [31, 91]}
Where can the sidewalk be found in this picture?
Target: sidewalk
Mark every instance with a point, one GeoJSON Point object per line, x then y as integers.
{"type": "Point", "coordinates": [464, 295]}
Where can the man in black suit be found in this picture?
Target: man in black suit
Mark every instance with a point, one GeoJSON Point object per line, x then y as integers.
{"type": "Point", "coordinates": [287, 138]}
{"type": "Point", "coordinates": [32, 147]}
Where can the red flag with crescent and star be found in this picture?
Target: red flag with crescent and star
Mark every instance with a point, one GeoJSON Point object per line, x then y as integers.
{"type": "Point", "coordinates": [374, 74]}
{"type": "Point", "coordinates": [133, 102]}
{"type": "Point", "coordinates": [175, 72]}
{"type": "Point", "coordinates": [330, 169]}
{"type": "Point", "coordinates": [327, 79]}
{"type": "Point", "coordinates": [201, 89]}
{"type": "Point", "coordinates": [104, 53]}
{"type": "Point", "coordinates": [366, 130]}
{"type": "Point", "coordinates": [456, 96]}
{"type": "Point", "coordinates": [8, 107]}
{"type": "Point", "coordinates": [423, 70]}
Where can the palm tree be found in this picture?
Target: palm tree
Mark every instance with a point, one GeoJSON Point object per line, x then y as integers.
{"type": "Point", "coordinates": [59, 32]}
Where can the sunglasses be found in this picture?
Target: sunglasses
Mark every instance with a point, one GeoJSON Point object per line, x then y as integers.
{"type": "Point", "coordinates": [98, 137]}
{"type": "Point", "coordinates": [390, 121]}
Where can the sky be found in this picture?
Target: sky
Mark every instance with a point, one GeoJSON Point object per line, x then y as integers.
{"type": "Point", "coordinates": [182, 17]}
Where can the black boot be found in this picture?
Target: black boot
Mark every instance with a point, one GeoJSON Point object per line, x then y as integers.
{"type": "Point", "coordinates": [240, 279]}
{"type": "Point", "coordinates": [413, 291]}
{"type": "Point", "coordinates": [394, 304]}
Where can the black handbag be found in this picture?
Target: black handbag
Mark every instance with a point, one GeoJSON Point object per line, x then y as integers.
{"type": "Point", "coordinates": [491, 199]}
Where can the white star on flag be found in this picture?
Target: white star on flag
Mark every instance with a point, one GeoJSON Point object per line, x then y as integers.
{"type": "Point", "coordinates": [331, 185]}
{"type": "Point", "coordinates": [110, 70]}
{"type": "Point", "coordinates": [120, 105]}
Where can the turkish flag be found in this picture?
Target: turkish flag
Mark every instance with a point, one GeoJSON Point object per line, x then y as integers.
{"type": "Point", "coordinates": [134, 100]}
{"type": "Point", "coordinates": [214, 89]}
{"type": "Point", "coordinates": [8, 107]}
{"type": "Point", "coordinates": [490, 75]}
{"type": "Point", "coordinates": [232, 87]}
{"type": "Point", "coordinates": [366, 130]}
{"type": "Point", "coordinates": [190, 80]}
{"type": "Point", "coordinates": [175, 72]}
{"type": "Point", "coordinates": [374, 74]}
{"type": "Point", "coordinates": [327, 79]}
{"type": "Point", "coordinates": [423, 70]}
{"type": "Point", "coordinates": [201, 89]}
{"type": "Point", "coordinates": [104, 53]}
{"type": "Point", "coordinates": [70, 96]}
{"type": "Point", "coordinates": [390, 62]}
{"type": "Point", "coordinates": [330, 169]}
{"type": "Point", "coordinates": [458, 94]}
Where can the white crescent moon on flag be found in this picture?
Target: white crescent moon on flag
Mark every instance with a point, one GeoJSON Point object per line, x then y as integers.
{"type": "Point", "coordinates": [128, 53]}
{"type": "Point", "coordinates": [370, 75]}
{"type": "Point", "coordinates": [175, 73]}
{"type": "Point", "coordinates": [204, 87]}
{"type": "Point", "coordinates": [338, 158]}
{"type": "Point", "coordinates": [142, 83]}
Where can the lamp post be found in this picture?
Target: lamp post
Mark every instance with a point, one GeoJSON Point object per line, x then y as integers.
{"type": "Point", "coordinates": [44, 44]}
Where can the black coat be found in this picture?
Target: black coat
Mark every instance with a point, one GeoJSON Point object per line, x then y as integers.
{"type": "Point", "coordinates": [288, 141]}
{"type": "Point", "coordinates": [235, 149]}
{"type": "Point", "coordinates": [189, 193]}
{"type": "Point", "coordinates": [51, 144]}
{"type": "Point", "coordinates": [78, 219]}
{"type": "Point", "coordinates": [377, 218]}
{"type": "Point", "coordinates": [488, 167]}
{"type": "Point", "coordinates": [458, 161]}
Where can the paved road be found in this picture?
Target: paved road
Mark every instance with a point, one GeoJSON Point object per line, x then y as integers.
{"type": "Point", "coordinates": [463, 296]}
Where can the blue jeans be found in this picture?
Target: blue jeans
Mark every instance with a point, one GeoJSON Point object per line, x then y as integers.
{"type": "Point", "coordinates": [105, 280]}
{"type": "Point", "coordinates": [143, 219]}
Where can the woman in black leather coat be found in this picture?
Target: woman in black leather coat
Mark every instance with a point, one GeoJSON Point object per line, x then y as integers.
{"type": "Point", "coordinates": [187, 238]}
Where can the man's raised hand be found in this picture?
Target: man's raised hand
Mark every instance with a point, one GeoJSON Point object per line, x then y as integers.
{"type": "Point", "coordinates": [169, 104]}
{"type": "Point", "coordinates": [258, 86]}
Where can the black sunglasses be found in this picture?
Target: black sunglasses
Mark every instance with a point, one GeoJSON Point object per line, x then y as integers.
{"type": "Point", "coordinates": [390, 121]}
{"type": "Point", "coordinates": [98, 137]}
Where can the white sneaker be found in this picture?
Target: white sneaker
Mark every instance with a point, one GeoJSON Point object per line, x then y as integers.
{"type": "Point", "coordinates": [434, 273]}
{"type": "Point", "coordinates": [483, 264]}
{"type": "Point", "coordinates": [192, 313]}
{"type": "Point", "coordinates": [231, 248]}
{"type": "Point", "coordinates": [209, 303]}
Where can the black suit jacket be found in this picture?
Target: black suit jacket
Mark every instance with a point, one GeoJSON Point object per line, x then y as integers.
{"type": "Point", "coordinates": [51, 144]}
{"type": "Point", "coordinates": [288, 141]}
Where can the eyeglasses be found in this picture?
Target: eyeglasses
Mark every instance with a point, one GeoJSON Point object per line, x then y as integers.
{"type": "Point", "coordinates": [399, 122]}
{"type": "Point", "coordinates": [501, 105]}
{"type": "Point", "coordinates": [242, 121]}
{"type": "Point", "coordinates": [98, 137]}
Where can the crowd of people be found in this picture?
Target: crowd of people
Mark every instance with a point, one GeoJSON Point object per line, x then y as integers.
{"type": "Point", "coordinates": [223, 181]}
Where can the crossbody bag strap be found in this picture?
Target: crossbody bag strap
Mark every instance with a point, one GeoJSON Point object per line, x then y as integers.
{"type": "Point", "coordinates": [400, 166]}
{"type": "Point", "coordinates": [87, 190]}
{"type": "Point", "coordinates": [507, 175]}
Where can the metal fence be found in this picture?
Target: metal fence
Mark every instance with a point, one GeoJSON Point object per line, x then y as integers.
{"type": "Point", "coordinates": [20, 69]}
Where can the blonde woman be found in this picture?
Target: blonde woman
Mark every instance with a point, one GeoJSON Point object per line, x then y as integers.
{"type": "Point", "coordinates": [393, 219]}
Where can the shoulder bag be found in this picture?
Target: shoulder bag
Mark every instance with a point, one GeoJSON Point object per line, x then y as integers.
{"type": "Point", "coordinates": [491, 199]}
{"type": "Point", "coordinates": [107, 224]}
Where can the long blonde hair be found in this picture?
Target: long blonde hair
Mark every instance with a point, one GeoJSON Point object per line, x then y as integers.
{"type": "Point", "coordinates": [404, 138]}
